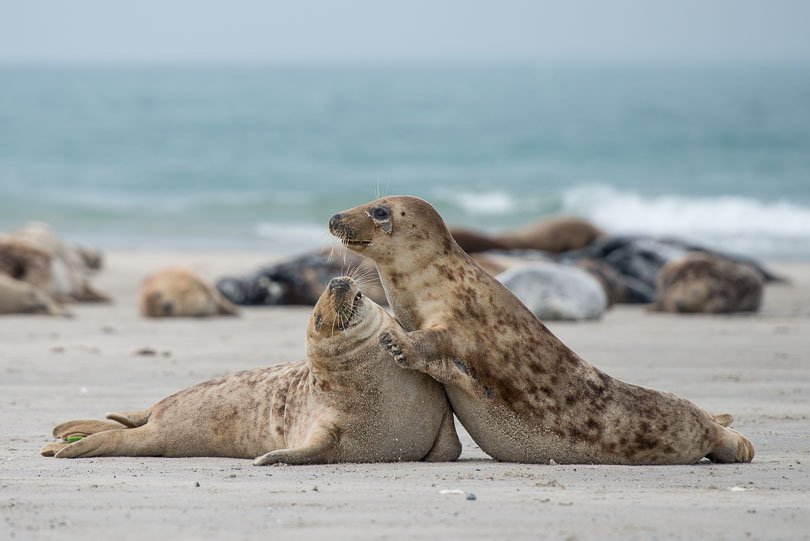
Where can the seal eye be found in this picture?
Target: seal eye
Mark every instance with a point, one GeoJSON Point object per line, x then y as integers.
{"type": "Point", "coordinates": [358, 296]}
{"type": "Point", "coordinates": [380, 213]}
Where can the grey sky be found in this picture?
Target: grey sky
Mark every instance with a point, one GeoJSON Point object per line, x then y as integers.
{"type": "Point", "coordinates": [408, 30]}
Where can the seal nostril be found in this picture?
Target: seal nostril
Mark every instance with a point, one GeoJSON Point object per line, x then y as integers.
{"type": "Point", "coordinates": [334, 221]}
{"type": "Point", "coordinates": [339, 284]}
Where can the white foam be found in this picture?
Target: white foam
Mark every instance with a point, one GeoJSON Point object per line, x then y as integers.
{"type": "Point", "coordinates": [492, 202]}
{"type": "Point", "coordinates": [742, 224]}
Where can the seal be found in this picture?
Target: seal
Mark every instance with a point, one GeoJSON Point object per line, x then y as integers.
{"type": "Point", "coordinates": [35, 260]}
{"type": "Point", "coordinates": [474, 242]}
{"type": "Point", "coordinates": [301, 280]}
{"type": "Point", "coordinates": [556, 235]}
{"type": "Point", "coordinates": [177, 292]}
{"type": "Point", "coordinates": [18, 297]}
{"type": "Point", "coordinates": [346, 403]}
{"type": "Point", "coordinates": [556, 292]}
{"type": "Point", "coordinates": [701, 282]}
{"type": "Point", "coordinates": [520, 392]}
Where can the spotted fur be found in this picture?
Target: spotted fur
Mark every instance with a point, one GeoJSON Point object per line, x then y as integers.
{"type": "Point", "coordinates": [701, 282]}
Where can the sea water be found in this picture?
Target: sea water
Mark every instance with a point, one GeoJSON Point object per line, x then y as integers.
{"type": "Point", "coordinates": [261, 156]}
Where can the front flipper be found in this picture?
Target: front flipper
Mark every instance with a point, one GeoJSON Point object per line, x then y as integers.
{"type": "Point", "coordinates": [447, 446]}
{"type": "Point", "coordinates": [319, 448]}
{"type": "Point", "coordinates": [421, 351]}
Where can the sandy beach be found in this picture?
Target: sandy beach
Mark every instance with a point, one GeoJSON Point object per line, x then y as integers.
{"type": "Point", "coordinates": [109, 358]}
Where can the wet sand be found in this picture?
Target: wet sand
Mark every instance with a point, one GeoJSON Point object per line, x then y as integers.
{"type": "Point", "coordinates": [755, 367]}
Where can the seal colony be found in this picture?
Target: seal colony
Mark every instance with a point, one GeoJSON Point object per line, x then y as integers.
{"type": "Point", "coordinates": [521, 393]}
{"type": "Point", "coordinates": [345, 403]}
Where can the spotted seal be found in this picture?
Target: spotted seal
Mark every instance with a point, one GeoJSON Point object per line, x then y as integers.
{"type": "Point", "coordinates": [701, 282]}
{"type": "Point", "coordinates": [521, 393]}
{"type": "Point", "coordinates": [346, 403]}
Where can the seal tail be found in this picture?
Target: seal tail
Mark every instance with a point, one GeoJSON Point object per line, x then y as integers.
{"type": "Point", "coordinates": [723, 419]}
{"type": "Point", "coordinates": [131, 420]}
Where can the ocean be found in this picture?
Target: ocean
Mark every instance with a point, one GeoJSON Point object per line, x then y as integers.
{"type": "Point", "coordinates": [259, 157]}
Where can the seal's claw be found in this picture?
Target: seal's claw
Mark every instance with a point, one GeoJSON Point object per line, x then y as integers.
{"type": "Point", "coordinates": [387, 341]}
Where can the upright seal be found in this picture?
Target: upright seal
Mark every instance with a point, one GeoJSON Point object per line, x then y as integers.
{"type": "Point", "coordinates": [346, 403]}
{"type": "Point", "coordinates": [518, 390]}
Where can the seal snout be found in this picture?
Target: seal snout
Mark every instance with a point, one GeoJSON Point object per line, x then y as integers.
{"type": "Point", "coordinates": [340, 285]}
{"type": "Point", "coordinates": [335, 223]}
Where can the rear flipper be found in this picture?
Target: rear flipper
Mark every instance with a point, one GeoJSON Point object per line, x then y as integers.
{"type": "Point", "coordinates": [121, 442]}
{"type": "Point", "coordinates": [52, 448]}
{"type": "Point", "coordinates": [731, 447]}
{"type": "Point", "coordinates": [224, 306]}
{"type": "Point", "coordinates": [83, 427]}
{"type": "Point", "coordinates": [131, 420]}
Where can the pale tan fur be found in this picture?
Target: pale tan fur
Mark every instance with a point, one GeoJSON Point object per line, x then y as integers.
{"type": "Point", "coordinates": [18, 297]}
{"type": "Point", "coordinates": [67, 278]}
{"type": "Point", "coordinates": [346, 403]}
{"type": "Point", "coordinates": [518, 390]}
{"type": "Point", "coordinates": [555, 235]}
{"type": "Point", "coordinates": [177, 292]}
{"type": "Point", "coordinates": [700, 282]}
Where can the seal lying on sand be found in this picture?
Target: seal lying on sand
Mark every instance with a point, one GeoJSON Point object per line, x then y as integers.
{"type": "Point", "coordinates": [518, 390]}
{"type": "Point", "coordinates": [301, 280]}
{"type": "Point", "coordinates": [699, 282]}
{"type": "Point", "coordinates": [639, 259]}
{"type": "Point", "coordinates": [555, 292]}
{"type": "Point", "coordinates": [554, 235]}
{"type": "Point", "coordinates": [347, 403]}
{"type": "Point", "coordinates": [44, 266]}
{"type": "Point", "coordinates": [18, 297]}
{"type": "Point", "coordinates": [177, 292]}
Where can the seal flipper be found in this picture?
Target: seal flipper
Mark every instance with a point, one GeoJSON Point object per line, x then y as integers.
{"type": "Point", "coordinates": [50, 449]}
{"type": "Point", "coordinates": [131, 420]}
{"type": "Point", "coordinates": [447, 447]}
{"type": "Point", "coordinates": [224, 306]}
{"type": "Point", "coordinates": [83, 427]}
{"type": "Point", "coordinates": [731, 447]}
{"type": "Point", "coordinates": [723, 419]}
{"type": "Point", "coordinates": [419, 350]}
{"type": "Point", "coordinates": [140, 441]}
{"type": "Point", "coordinates": [318, 449]}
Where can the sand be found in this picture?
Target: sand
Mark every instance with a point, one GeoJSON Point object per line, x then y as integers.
{"type": "Point", "coordinates": [754, 367]}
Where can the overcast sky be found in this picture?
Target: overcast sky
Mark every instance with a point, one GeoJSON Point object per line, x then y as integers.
{"type": "Point", "coordinates": [379, 31]}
